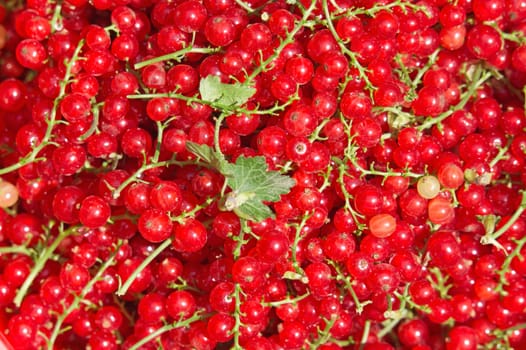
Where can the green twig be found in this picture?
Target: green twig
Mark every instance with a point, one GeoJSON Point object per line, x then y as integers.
{"type": "Point", "coordinates": [80, 297]}
{"type": "Point", "coordinates": [44, 256]}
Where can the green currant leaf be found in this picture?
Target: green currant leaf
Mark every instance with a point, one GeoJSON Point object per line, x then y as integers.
{"type": "Point", "coordinates": [252, 184]}
{"type": "Point", "coordinates": [213, 90]}
{"type": "Point", "coordinates": [253, 210]}
{"type": "Point", "coordinates": [205, 152]}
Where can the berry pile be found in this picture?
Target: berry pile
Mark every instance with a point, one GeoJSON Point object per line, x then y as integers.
{"type": "Point", "coordinates": [263, 175]}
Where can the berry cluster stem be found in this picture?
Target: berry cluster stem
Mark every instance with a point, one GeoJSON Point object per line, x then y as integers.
{"type": "Point", "coordinates": [504, 269]}
{"type": "Point", "coordinates": [177, 55]}
{"type": "Point", "coordinates": [348, 285]}
{"type": "Point", "coordinates": [164, 245]}
{"type": "Point", "coordinates": [126, 285]}
{"type": "Point", "coordinates": [16, 250]}
{"type": "Point", "coordinates": [237, 316]}
{"type": "Point", "coordinates": [44, 256]}
{"type": "Point", "coordinates": [491, 238]}
{"type": "Point", "coordinates": [80, 297]}
{"type": "Point", "coordinates": [289, 38]}
{"type": "Point", "coordinates": [32, 156]}
{"type": "Point", "coordinates": [166, 328]}
{"type": "Point", "coordinates": [480, 76]}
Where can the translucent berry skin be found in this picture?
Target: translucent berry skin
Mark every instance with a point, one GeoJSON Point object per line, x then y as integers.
{"type": "Point", "coordinates": [66, 204]}
{"type": "Point", "coordinates": [382, 225]}
{"type": "Point", "coordinates": [155, 225]}
{"type": "Point", "coordinates": [94, 212]}
{"type": "Point", "coordinates": [166, 196]}
{"type": "Point", "coordinates": [190, 236]}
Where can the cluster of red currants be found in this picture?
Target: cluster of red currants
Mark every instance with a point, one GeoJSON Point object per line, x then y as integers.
{"type": "Point", "coordinates": [263, 175]}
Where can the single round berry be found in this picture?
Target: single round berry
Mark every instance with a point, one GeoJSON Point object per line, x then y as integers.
{"type": "Point", "coordinates": [94, 212]}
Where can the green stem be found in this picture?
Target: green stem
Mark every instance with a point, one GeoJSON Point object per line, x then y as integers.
{"type": "Point", "coordinates": [160, 131]}
{"type": "Point", "coordinates": [262, 66]}
{"type": "Point", "coordinates": [140, 171]}
{"type": "Point", "coordinates": [348, 285]}
{"type": "Point", "coordinates": [237, 316]}
{"type": "Point", "coordinates": [15, 250]}
{"type": "Point", "coordinates": [179, 324]}
{"type": "Point", "coordinates": [347, 197]}
{"type": "Point", "coordinates": [316, 133]}
{"type": "Point", "coordinates": [440, 284]}
{"type": "Point", "coordinates": [234, 109]}
{"type": "Point", "coordinates": [397, 316]}
{"type": "Point", "coordinates": [500, 155]}
{"type": "Point", "coordinates": [39, 264]}
{"type": "Point", "coordinates": [430, 62]}
{"type": "Point", "coordinates": [32, 156]}
{"type": "Point", "coordinates": [217, 129]}
{"type": "Point", "coordinates": [325, 334]}
{"type": "Point", "coordinates": [79, 298]}
{"type": "Point", "coordinates": [240, 238]}
{"type": "Point", "coordinates": [297, 238]}
{"type": "Point", "coordinates": [372, 171]}
{"type": "Point", "coordinates": [344, 49]}
{"type": "Point", "coordinates": [176, 56]}
{"type": "Point", "coordinates": [56, 18]}
{"type": "Point", "coordinates": [94, 124]}
{"type": "Point", "coordinates": [365, 334]}
{"type": "Point", "coordinates": [245, 6]}
{"type": "Point", "coordinates": [492, 237]}
{"type": "Point", "coordinates": [124, 288]}
{"type": "Point", "coordinates": [504, 269]}
{"type": "Point", "coordinates": [165, 244]}
{"type": "Point", "coordinates": [286, 301]}
{"type": "Point", "coordinates": [478, 79]}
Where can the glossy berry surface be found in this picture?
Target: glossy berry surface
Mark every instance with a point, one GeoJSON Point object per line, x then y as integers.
{"type": "Point", "coordinates": [262, 175]}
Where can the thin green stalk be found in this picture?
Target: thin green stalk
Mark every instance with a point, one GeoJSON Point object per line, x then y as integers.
{"type": "Point", "coordinates": [78, 298]}
{"type": "Point", "coordinates": [325, 334]}
{"type": "Point", "coordinates": [372, 171]}
{"type": "Point", "coordinates": [165, 244]}
{"type": "Point", "coordinates": [346, 280]}
{"type": "Point", "coordinates": [430, 62]}
{"type": "Point", "coordinates": [40, 263]}
{"type": "Point", "coordinates": [179, 324]}
{"type": "Point", "coordinates": [491, 238]}
{"type": "Point", "coordinates": [297, 238]}
{"type": "Point", "coordinates": [288, 39]}
{"type": "Point", "coordinates": [245, 6]}
{"type": "Point", "coordinates": [140, 171]}
{"type": "Point", "coordinates": [94, 124]}
{"type": "Point", "coordinates": [176, 56]}
{"type": "Point", "coordinates": [479, 78]}
{"type": "Point", "coordinates": [500, 156]}
{"type": "Point", "coordinates": [240, 238]}
{"type": "Point", "coordinates": [124, 288]}
{"type": "Point", "coordinates": [56, 19]}
{"type": "Point", "coordinates": [160, 132]}
{"type": "Point", "coordinates": [227, 109]}
{"type": "Point", "coordinates": [365, 334]}
{"type": "Point", "coordinates": [217, 129]}
{"type": "Point", "coordinates": [32, 156]}
{"type": "Point", "coordinates": [237, 317]}
{"type": "Point", "coordinates": [441, 284]}
{"type": "Point", "coordinates": [15, 250]}
{"type": "Point", "coordinates": [286, 301]}
{"type": "Point", "coordinates": [352, 55]}
{"type": "Point", "coordinates": [504, 269]}
{"type": "Point", "coordinates": [396, 317]}
{"type": "Point", "coordinates": [347, 198]}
